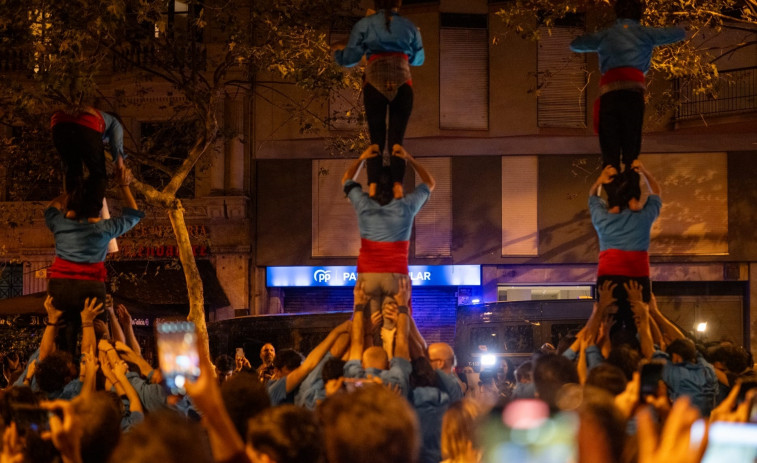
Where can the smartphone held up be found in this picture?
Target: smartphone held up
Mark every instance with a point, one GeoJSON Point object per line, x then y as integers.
{"type": "Point", "coordinates": [178, 353]}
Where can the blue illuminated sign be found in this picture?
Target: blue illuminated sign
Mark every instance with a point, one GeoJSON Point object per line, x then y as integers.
{"type": "Point", "coordinates": [421, 275]}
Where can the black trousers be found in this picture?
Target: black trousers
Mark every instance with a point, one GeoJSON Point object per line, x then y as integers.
{"type": "Point", "coordinates": [621, 116]}
{"type": "Point", "coordinates": [624, 319]}
{"type": "Point", "coordinates": [69, 296]}
{"type": "Point", "coordinates": [376, 105]}
{"type": "Point", "coordinates": [81, 146]}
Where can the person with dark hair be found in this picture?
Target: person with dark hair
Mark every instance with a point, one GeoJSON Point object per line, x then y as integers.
{"type": "Point", "coordinates": [78, 270]}
{"type": "Point", "coordinates": [392, 44]}
{"type": "Point", "coordinates": [385, 229]}
{"type": "Point", "coordinates": [244, 397]}
{"type": "Point", "coordinates": [285, 434]}
{"type": "Point", "coordinates": [551, 372]}
{"type": "Point", "coordinates": [524, 385]}
{"type": "Point", "coordinates": [56, 376]}
{"type": "Point", "coordinates": [224, 365]}
{"type": "Point", "coordinates": [624, 236]}
{"type": "Point", "coordinates": [291, 371]}
{"type": "Point", "coordinates": [626, 358]}
{"type": "Point", "coordinates": [387, 425]}
{"type": "Point", "coordinates": [608, 377]}
{"type": "Point", "coordinates": [625, 53]}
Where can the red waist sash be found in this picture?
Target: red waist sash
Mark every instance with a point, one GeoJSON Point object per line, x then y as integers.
{"type": "Point", "coordinates": [623, 263]}
{"type": "Point", "coordinates": [383, 257]}
{"type": "Point", "coordinates": [62, 268]}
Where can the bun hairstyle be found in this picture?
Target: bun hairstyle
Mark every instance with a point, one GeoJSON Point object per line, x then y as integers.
{"type": "Point", "coordinates": [387, 6]}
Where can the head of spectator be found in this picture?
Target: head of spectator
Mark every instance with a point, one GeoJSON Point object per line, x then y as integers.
{"type": "Point", "coordinates": [244, 396]}
{"type": "Point", "coordinates": [551, 373]}
{"type": "Point", "coordinates": [459, 427]}
{"type": "Point", "coordinates": [284, 434]}
{"type": "Point", "coordinates": [607, 377]}
{"type": "Point", "coordinates": [423, 374]}
{"type": "Point", "coordinates": [506, 371]}
{"type": "Point", "coordinates": [375, 357]}
{"type": "Point", "coordinates": [524, 372]}
{"type": "Point", "coordinates": [629, 9]}
{"type": "Point", "coordinates": [442, 356]}
{"type": "Point", "coordinates": [332, 373]}
{"type": "Point", "coordinates": [626, 358]}
{"type": "Point", "coordinates": [224, 367]}
{"type": "Point", "coordinates": [682, 351]}
{"type": "Point", "coordinates": [565, 342]}
{"type": "Point", "coordinates": [285, 362]}
{"type": "Point", "coordinates": [387, 427]}
{"type": "Point", "coordinates": [602, 428]}
{"type": "Point", "coordinates": [166, 437]}
{"type": "Point", "coordinates": [100, 422]}
{"type": "Point", "coordinates": [55, 371]}
{"type": "Point", "coordinates": [267, 354]}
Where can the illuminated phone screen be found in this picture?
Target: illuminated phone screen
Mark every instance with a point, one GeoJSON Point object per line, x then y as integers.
{"type": "Point", "coordinates": [177, 353]}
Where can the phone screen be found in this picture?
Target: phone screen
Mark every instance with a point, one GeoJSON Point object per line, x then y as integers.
{"type": "Point", "coordinates": [651, 374]}
{"type": "Point", "coordinates": [31, 417]}
{"type": "Point", "coordinates": [527, 432]}
{"type": "Point", "coordinates": [177, 353]}
{"type": "Point", "coordinates": [731, 442]}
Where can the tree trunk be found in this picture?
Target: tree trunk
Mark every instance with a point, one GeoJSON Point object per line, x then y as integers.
{"type": "Point", "coordinates": [192, 276]}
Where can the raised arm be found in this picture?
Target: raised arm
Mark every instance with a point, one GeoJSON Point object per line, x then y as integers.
{"type": "Point", "coordinates": [370, 152]}
{"type": "Point", "coordinates": [294, 378]}
{"type": "Point", "coordinates": [357, 336]}
{"type": "Point", "coordinates": [124, 319]}
{"type": "Point", "coordinates": [641, 316]}
{"type": "Point", "coordinates": [605, 177]}
{"type": "Point", "coordinates": [47, 345]}
{"type": "Point", "coordinates": [425, 176]}
{"type": "Point", "coordinates": [669, 330]}
{"type": "Point", "coordinates": [652, 184]}
{"type": "Point", "coordinates": [402, 345]}
{"type": "Point", "coordinates": [123, 175]}
{"type": "Point", "coordinates": [91, 310]}
{"type": "Point", "coordinates": [116, 333]}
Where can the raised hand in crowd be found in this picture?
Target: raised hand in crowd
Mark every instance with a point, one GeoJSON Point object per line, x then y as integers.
{"type": "Point", "coordinates": [54, 318]}
{"type": "Point", "coordinates": [65, 429]}
{"type": "Point", "coordinates": [124, 318]}
{"type": "Point", "coordinates": [732, 411]}
{"type": "Point", "coordinates": [13, 447]}
{"type": "Point", "coordinates": [241, 363]}
{"type": "Point", "coordinates": [88, 372]}
{"type": "Point", "coordinates": [673, 445]}
{"type": "Point", "coordinates": [92, 308]}
{"type": "Point", "coordinates": [31, 370]}
{"type": "Point", "coordinates": [640, 311]}
{"type": "Point", "coordinates": [116, 332]}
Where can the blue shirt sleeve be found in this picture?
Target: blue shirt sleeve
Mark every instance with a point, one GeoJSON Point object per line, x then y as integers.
{"type": "Point", "coordinates": [354, 369]}
{"type": "Point", "coordinates": [117, 226]}
{"type": "Point", "coordinates": [114, 135]}
{"type": "Point", "coordinates": [152, 396]}
{"type": "Point", "coordinates": [399, 374]}
{"type": "Point", "coordinates": [450, 385]}
{"type": "Point", "coordinates": [570, 354]}
{"type": "Point", "coordinates": [665, 35]}
{"type": "Point", "coordinates": [417, 198]}
{"type": "Point", "coordinates": [277, 391]}
{"type": "Point", "coordinates": [53, 216]}
{"type": "Point", "coordinates": [356, 196]}
{"type": "Point", "coordinates": [586, 43]}
{"type": "Point", "coordinates": [417, 56]}
{"type": "Point", "coordinates": [593, 356]}
{"type": "Point", "coordinates": [651, 209]}
{"type": "Point", "coordinates": [355, 49]}
{"type": "Point", "coordinates": [131, 419]}
{"type": "Point", "coordinates": [312, 388]}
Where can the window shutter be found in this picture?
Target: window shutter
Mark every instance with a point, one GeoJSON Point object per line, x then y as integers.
{"type": "Point", "coordinates": [464, 78]}
{"type": "Point", "coordinates": [520, 232]}
{"type": "Point", "coordinates": [433, 224]}
{"type": "Point", "coordinates": [335, 230]}
{"type": "Point", "coordinates": [561, 79]}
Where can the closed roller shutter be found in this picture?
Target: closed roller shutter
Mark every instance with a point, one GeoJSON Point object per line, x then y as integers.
{"type": "Point", "coordinates": [561, 80]}
{"type": "Point", "coordinates": [335, 230]}
{"type": "Point", "coordinates": [520, 228]}
{"type": "Point", "coordinates": [433, 224]}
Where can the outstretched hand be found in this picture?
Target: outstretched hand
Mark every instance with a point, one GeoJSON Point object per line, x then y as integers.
{"type": "Point", "coordinates": [370, 152]}
{"type": "Point", "coordinates": [403, 292]}
{"type": "Point", "coordinates": [53, 314]}
{"type": "Point", "coordinates": [91, 310]}
{"type": "Point", "coordinates": [608, 173]}
{"type": "Point", "coordinates": [65, 429]}
{"type": "Point", "coordinates": [674, 443]}
{"type": "Point", "coordinates": [358, 292]}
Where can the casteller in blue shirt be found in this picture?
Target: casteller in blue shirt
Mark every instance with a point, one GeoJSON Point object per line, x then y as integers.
{"type": "Point", "coordinates": [370, 36]}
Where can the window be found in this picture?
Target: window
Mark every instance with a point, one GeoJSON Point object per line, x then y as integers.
{"type": "Point", "coordinates": [335, 230]}
{"type": "Point", "coordinates": [509, 293]}
{"type": "Point", "coordinates": [464, 72]}
{"type": "Point", "coordinates": [561, 79]}
{"type": "Point", "coordinates": [520, 231]}
{"type": "Point", "coordinates": [11, 280]}
{"type": "Point", "coordinates": [433, 224]}
{"type": "Point", "coordinates": [167, 144]}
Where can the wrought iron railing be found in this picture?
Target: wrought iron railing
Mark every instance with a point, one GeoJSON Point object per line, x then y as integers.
{"type": "Point", "coordinates": [736, 92]}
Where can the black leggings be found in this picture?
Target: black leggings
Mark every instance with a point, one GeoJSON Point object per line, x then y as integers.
{"type": "Point", "coordinates": [69, 296]}
{"type": "Point", "coordinates": [81, 146]}
{"type": "Point", "coordinates": [400, 107]}
{"type": "Point", "coordinates": [621, 116]}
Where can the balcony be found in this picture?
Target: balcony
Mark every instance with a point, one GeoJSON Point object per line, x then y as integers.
{"type": "Point", "coordinates": [736, 94]}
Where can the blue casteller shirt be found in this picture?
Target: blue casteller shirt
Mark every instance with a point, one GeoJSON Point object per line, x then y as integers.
{"type": "Point", "coordinates": [113, 135]}
{"type": "Point", "coordinates": [369, 36]}
{"type": "Point", "coordinates": [627, 230]}
{"type": "Point", "coordinates": [312, 389]}
{"type": "Point", "coordinates": [389, 223]}
{"type": "Point", "coordinates": [430, 403]}
{"type": "Point", "coordinates": [85, 242]}
{"type": "Point", "coordinates": [626, 44]}
{"type": "Point", "coordinates": [695, 380]}
{"type": "Point", "coordinates": [398, 373]}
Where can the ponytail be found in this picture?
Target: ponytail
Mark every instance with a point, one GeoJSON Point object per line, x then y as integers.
{"type": "Point", "coordinates": [387, 6]}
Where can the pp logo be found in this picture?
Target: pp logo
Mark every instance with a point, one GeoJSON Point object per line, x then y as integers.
{"type": "Point", "coordinates": [322, 276]}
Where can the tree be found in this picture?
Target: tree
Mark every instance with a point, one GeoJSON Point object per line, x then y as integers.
{"type": "Point", "coordinates": [694, 59]}
{"type": "Point", "coordinates": [68, 54]}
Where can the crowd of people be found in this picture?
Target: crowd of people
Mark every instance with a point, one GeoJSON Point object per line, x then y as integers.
{"type": "Point", "coordinates": [628, 387]}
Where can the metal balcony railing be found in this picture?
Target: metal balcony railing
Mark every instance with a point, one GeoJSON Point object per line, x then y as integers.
{"type": "Point", "coordinates": [736, 91]}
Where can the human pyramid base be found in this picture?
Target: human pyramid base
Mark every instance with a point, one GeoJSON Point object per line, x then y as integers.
{"type": "Point", "coordinates": [629, 386]}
